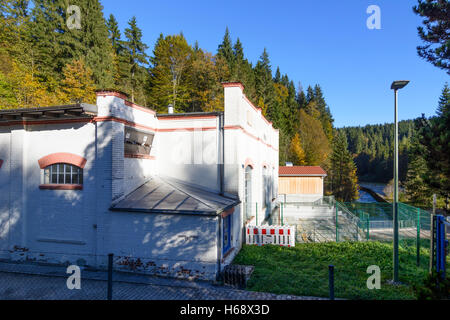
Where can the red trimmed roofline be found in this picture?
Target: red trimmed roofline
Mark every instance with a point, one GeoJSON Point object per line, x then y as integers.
{"type": "Point", "coordinates": [62, 157]}
{"type": "Point", "coordinates": [233, 84]}
{"type": "Point", "coordinates": [124, 97]}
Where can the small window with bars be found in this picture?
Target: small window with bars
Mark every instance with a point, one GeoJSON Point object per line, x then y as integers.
{"type": "Point", "coordinates": [63, 173]}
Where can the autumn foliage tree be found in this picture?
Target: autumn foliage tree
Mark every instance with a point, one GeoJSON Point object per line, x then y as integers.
{"type": "Point", "coordinates": [297, 154]}
{"type": "Point", "coordinates": [313, 140]}
{"type": "Point", "coordinates": [77, 84]}
{"type": "Point", "coordinates": [172, 58]}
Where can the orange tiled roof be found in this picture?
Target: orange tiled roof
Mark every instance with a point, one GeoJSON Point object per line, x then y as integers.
{"type": "Point", "coordinates": [302, 171]}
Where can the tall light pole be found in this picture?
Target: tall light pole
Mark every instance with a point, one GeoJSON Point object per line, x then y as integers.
{"type": "Point", "coordinates": [396, 85]}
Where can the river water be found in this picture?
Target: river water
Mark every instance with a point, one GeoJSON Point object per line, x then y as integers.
{"type": "Point", "coordinates": [377, 187]}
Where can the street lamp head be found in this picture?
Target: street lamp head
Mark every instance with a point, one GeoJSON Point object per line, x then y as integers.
{"type": "Point", "coordinates": [399, 84]}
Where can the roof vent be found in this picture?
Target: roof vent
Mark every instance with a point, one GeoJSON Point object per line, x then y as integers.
{"type": "Point", "coordinates": [289, 164]}
{"type": "Point", "coordinates": [170, 108]}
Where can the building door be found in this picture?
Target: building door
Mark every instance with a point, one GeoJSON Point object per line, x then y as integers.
{"type": "Point", "coordinates": [226, 234]}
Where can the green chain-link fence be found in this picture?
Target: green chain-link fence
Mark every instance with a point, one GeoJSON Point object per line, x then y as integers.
{"type": "Point", "coordinates": [376, 223]}
{"type": "Point", "coordinates": [328, 220]}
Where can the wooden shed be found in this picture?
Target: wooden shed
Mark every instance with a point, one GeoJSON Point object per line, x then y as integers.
{"type": "Point", "coordinates": [301, 180]}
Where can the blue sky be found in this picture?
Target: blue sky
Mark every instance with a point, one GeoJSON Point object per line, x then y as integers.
{"type": "Point", "coordinates": [325, 42]}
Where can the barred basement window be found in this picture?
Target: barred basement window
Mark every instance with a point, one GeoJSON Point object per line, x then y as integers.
{"type": "Point", "coordinates": [63, 173]}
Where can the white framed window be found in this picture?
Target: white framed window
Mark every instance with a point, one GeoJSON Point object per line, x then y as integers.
{"type": "Point", "coordinates": [63, 173]}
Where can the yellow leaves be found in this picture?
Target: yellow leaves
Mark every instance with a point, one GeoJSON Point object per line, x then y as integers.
{"type": "Point", "coordinates": [296, 149]}
{"type": "Point", "coordinates": [311, 109]}
{"type": "Point", "coordinates": [314, 141]}
{"type": "Point", "coordinates": [77, 84]}
{"type": "Point", "coordinates": [262, 106]}
{"type": "Point", "coordinates": [22, 88]}
{"type": "Point", "coordinates": [27, 89]}
{"type": "Point", "coordinates": [281, 93]}
{"type": "Point", "coordinates": [204, 78]}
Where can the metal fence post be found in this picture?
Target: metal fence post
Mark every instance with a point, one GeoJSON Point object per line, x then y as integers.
{"type": "Point", "coordinates": [368, 227]}
{"type": "Point", "coordinates": [110, 269]}
{"type": "Point", "coordinates": [432, 235]}
{"type": "Point", "coordinates": [331, 281]}
{"type": "Point", "coordinates": [282, 220]}
{"type": "Point", "coordinates": [337, 227]}
{"type": "Point", "coordinates": [418, 237]}
{"type": "Point", "coordinates": [256, 204]}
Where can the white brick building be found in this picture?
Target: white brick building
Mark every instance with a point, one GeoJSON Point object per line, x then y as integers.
{"type": "Point", "coordinates": [167, 194]}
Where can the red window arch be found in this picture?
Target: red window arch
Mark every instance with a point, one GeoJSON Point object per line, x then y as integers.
{"type": "Point", "coordinates": [62, 157]}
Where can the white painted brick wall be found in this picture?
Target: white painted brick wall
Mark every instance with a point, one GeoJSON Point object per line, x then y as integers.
{"type": "Point", "coordinates": [80, 225]}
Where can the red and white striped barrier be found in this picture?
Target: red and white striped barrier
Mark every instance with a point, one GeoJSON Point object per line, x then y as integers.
{"type": "Point", "coordinates": [278, 235]}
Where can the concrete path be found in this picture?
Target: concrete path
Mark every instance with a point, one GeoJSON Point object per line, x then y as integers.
{"type": "Point", "coordinates": [33, 282]}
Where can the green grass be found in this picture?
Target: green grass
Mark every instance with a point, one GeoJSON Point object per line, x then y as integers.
{"type": "Point", "coordinates": [303, 270]}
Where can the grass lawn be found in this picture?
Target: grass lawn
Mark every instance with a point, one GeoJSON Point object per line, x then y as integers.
{"type": "Point", "coordinates": [303, 270]}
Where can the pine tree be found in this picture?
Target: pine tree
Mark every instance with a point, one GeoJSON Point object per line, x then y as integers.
{"type": "Point", "coordinates": [120, 58]}
{"type": "Point", "coordinates": [436, 33]}
{"type": "Point", "coordinates": [325, 115]}
{"type": "Point", "coordinates": [277, 78]}
{"type": "Point", "coordinates": [114, 34]}
{"type": "Point", "coordinates": [435, 137]}
{"type": "Point", "coordinates": [264, 84]}
{"type": "Point", "coordinates": [135, 53]}
{"type": "Point", "coordinates": [343, 177]}
{"type": "Point", "coordinates": [97, 50]}
{"type": "Point", "coordinates": [301, 97]}
{"type": "Point", "coordinates": [225, 51]}
{"type": "Point", "coordinates": [56, 45]}
{"type": "Point", "coordinates": [310, 96]}
{"type": "Point", "coordinates": [416, 189]}
{"type": "Point", "coordinates": [243, 70]}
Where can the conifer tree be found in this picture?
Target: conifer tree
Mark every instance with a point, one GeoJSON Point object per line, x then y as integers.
{"type": "Point", "coordinates": [435, 32]}
{"type": "Point", "coordinates": [416, 189]}
{"type": "Point", "coordinates": [243, 70]}
{"type": "Point", "coordinates": [135, 54]}
{"type": "Point", "coordinates": [114, 34]}
{"type": "Point", "coordinates": [309, 95]}
{"type": "Point", "coordinates": [344, 181]}
{"type": "Point", "coordinates": [435, 137]}
{"type": "Point", "coordinates": [225, 51]}
{"type": "Point", "coordinates": [301, 97]}
{"type": "Point", "coordinates": [96, 50]}
{"type": "Point", "coordinates": [264, 83]}
{"type": "Point", "coordinates": [56, 45]}
{"type": "Point", "coordinates": [277, 78]}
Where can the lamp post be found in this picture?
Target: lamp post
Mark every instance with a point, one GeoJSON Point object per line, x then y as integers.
{"type": "Point", "coordinates": [396, 85]}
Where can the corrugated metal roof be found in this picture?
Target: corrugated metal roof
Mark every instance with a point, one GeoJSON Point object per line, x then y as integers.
{"type": "Point", "coordinates": [80, 110]}
{"type": "Point", "coordinates": [169, 196]}
{"type": "Point", "coordinates": [301, 171]}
